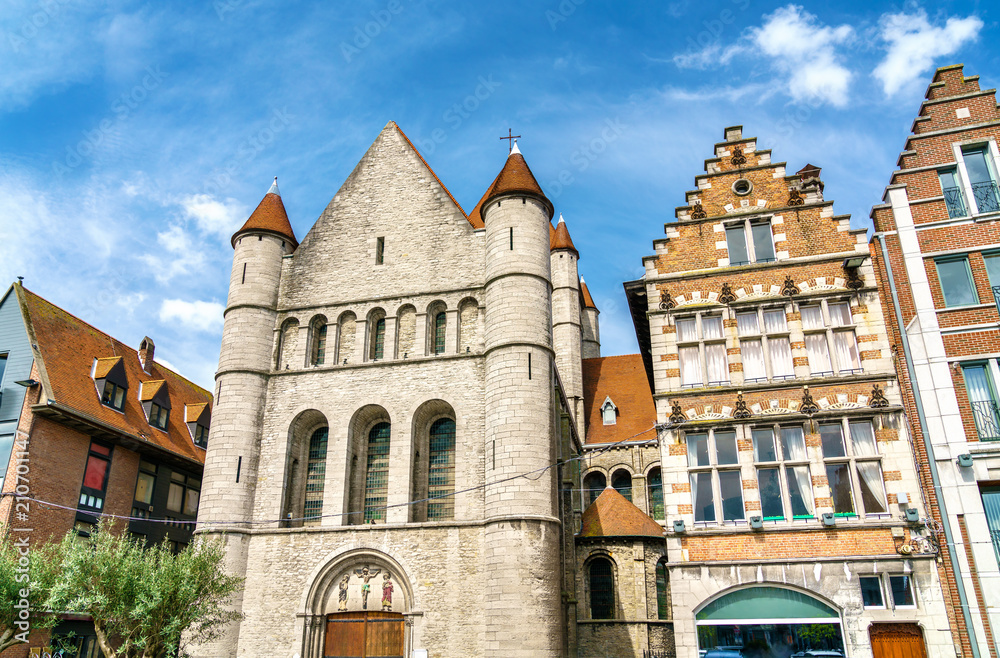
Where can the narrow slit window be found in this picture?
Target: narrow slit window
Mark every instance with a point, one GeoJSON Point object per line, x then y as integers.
{"type": "Point", "coordinates": [379, 251]}
{"type": "Point", "coordinates": [440, 326]}
{"type": "Point", "coordinates": [512, 238]}
{"type": "Point", "coordinates": [244, 273]}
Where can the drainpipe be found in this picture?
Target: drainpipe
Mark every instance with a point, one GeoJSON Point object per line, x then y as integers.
{"type": "Point", "coordinates": [959, 582]}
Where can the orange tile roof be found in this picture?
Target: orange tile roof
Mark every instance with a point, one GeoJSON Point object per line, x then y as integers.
{"type": "Point", "coordinates": [612, 515]}
{"type": "Point", "coordinates": [560, 239]}
{"type": "Point", "coordinates": [150, 388]}
{"type": "Point", "coordinates": [270, 217]}
{"type": "Point", "coordinates": [67, 347]}
{"type": "Point", "coordinates": [623, 379]}
{"type": "Point", "coordinates": [192, 412]}
{"type": "Point", "coordinates": [588, 301]}
{"type": "Point", "coordinates": [476, 216]}
{"type": "Point", "coordinates": [104, 366]}
{"type": "Point", "coordinates": [516, 177]}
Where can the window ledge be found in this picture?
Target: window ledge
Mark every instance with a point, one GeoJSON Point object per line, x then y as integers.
{"type": "Point", "coordinates": [843, 523]}
{"type": "Point", "coordinates": [967, 307]}
{"type": "Point", "coordinates": [624, 621]}
{"type": "Point", "coordinates": [372, 364]}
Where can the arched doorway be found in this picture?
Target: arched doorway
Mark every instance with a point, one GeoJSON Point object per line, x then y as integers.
{"type": "Point", "coordinates": [365, 634]}
{"type": "Point", "coordinates": [769, 621]}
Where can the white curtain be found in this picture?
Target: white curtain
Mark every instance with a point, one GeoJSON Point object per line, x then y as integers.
{"type": "Point", "coordinates": [781, 357]}
{"type": "Point", "coordinates": [977, 383]}
{"type": "Point", "coordinates": [697, 450]}
{"type": "Point", "coordinates": [753, 359]}
{"type": "Point", "coordinates": [863, 440]}
{"type": "Point", "coordinates": [715, 359]}
{"type": "Point", "coordinates": [793, 444]}
{"type": "Point", "coordinates": [746, 324]}
{"type": "Point", "coordinates": [690, 366]}
{"type": "Point", "coordinates": [819, 353]}
{"type": "Point", "coordinates": [812, 317]}
{"type": "Point", "coordinates": [774, 321]}
{"type": "Point", "coordinates": [846, 348]}
{"type": "Point", "coordinates": [711, 327]}
{"type": "Point", "coordinates": [840, 314]}
{"type": "Point", "coordinates": [872, 489]}
{"type": "Point", "coordinates": [799, 482]}
{"type": "Point", "coordinates": [686, 330]}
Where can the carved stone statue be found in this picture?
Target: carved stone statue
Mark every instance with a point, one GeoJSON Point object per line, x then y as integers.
{"type": "Point", "coordinates": [342, 595]}
{"type": "Point", "coordinates": [387, 592]}
{"type": "Point", "coordinates": [364, 574]}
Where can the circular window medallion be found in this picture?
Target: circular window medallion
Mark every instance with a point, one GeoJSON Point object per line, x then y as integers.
{"type": "Point", "coordinates": [742, 187]}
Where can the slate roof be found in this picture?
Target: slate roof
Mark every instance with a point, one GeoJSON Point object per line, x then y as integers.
{"type": "Point", "coordinates": [66, 349]}
{"type": "Point", "coordinates": [612, 515]}
{"type": "Point", "coordinates": [623, 378]}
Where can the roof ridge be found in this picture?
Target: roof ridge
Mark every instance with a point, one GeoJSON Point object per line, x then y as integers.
{"type": "Point", "coordinates": [443, 186]}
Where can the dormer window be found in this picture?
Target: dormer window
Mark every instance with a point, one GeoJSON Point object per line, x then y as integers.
{"type": "Point", "coordinates": [155, 402]}
{"type": "Point", "coordinates": [198, 418]}
{"type": "Point", "coordinates": [609, 412]}
{"type": "Point", "coordinates": [110, 381]}
{"type": "Point", "coordinates": [158, 416]}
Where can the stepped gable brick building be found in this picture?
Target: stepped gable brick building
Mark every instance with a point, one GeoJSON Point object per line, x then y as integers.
{"type": "Point", "coordinates": [794, 511]}
{"type": "Point", "coordinates": [402, 402]}
{"type": "Point", "coordinates": [96, 427]}
{"type": "Point", "coordinates": [937, 253]}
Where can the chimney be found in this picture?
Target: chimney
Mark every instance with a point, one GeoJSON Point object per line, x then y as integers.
{"type": "Point", "coordinates": [146, 349]}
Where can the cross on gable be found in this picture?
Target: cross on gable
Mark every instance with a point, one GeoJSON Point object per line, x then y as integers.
{"type": "Point", "coordinates": [510, 140]}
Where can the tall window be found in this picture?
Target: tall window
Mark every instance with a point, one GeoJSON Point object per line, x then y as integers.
{"type": "Point", "coordinates": [315, 476]}
{"type": "Point", "coordinates": [952, 190]}
{"type": "Point", "coordinates": [655, 482]}
{"type": "Point", "coordinates": [982, 400]}
{"type": "Point", "coordinates": [602, 589]}
{"type": "Point", "coordinates": [593, 484]}
{"type": "Point", "coordinates": [957, 285]}
{"type": "Point", "coordinates": [379, 251]}
{"type": "Point", "coordinates": [200, 435]}
{"type": "Point", "coordinates": [982, 179]}
{"type": "Point", "coordinates": [440, 324]}
{"type": "Point", "coordinates": [145, 483]}
{"type": "Point", "coordinates": [441, 473]}
{"type": "Point", "coordinates": [991, 505]}
{"type": "Point", "coordinates": [716, 485]}
{"type": "Point", "coordinates": [95, 476]}
{"type": "Point", "coordinates": [622, 483]}
{"type": "Point", "coordinates": [853, 468]}
{"type": "Point", "coordinates": [378, 340]}
{"type": "Point", "coordinates": [701, 347]}
{"type": "Point", "coordinates": [767, 354]}
{"type": "Point", "coordinates": [158, 416]}
{"type": "Point", "coordinates": [662, 594]}
{"type": "Point", "coordinates": [113, 395]}
{"type": "Point", "coordinates": [183, 494]}
{"type": "Point", "coordinates": [377, 473]}
{"type": "Point", "coordinates": [829, 336]}
{"type": "Point", "coordinates": [783, 476]}
{"type": "Point", "coordinates": [319, 344]}
{"type": "Point", "coordinates": [3, 365]}
{"type": "Point", "coordinates": [750, 241]}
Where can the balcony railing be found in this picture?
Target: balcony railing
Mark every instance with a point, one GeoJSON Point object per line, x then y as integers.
{"type": "Point", "coordinates": [987, 199]}
{"type": "Point", "coordinates": [956, 202]}
{"type": "Point", "coordinates": [987, 417]}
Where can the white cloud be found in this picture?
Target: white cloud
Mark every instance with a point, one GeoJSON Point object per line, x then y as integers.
{"type": "Point", "coordinates": [804, 50]}
{"type": "Point", "coordinates": [757, 92]}
{"type": "Point", "coordinates": [197, 315]}
{"type": "Point", "coordinates": [212, 215]}
{"type": "Point", "coordinates": [913, 44]}
{"type": "Point", "coordinates": [712, 54]}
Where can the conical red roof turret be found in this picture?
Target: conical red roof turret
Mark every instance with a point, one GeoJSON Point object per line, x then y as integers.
{"type": "Point", "coordinates": [559, 238]}
{"type": "Point", "coordinates": [269, 217]}
{"type": "Point", "coordinates": [516, 178]}
{"type": "Point", "coordinates": [588, 301]}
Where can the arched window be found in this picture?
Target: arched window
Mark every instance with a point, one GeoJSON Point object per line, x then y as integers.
{"type": "Point", "coordinates": [348, 328]}
{"type": "Point", "coordinates": [441, 473]}
{"type": "Point", "coordinates": [289, 338]}
{"type": "Point", "coordinates": [318, 355]}
{"type": "Point", "coordinates": [440, 327]}
{"type": "Point", "coordinates": [377, 473]}
{"type": "Point", "coordinates": [655, 483]}
{"type": "Point", "coordinates": [662, 593]}
{"type": "Point", "coordinates": [406, 331]}
{"type": "Point", "coordinates": [315, 476]}
{"type": "Point", "coordinates": [593, 484]}
{"type": "Point", "coordinates": [378, 340]}
{"type": "Point", "coordinates": [602, 589]}
{"type": "Point", "coordinates": [468, 326]}
{"type": "Point", "coordinates": [622, 482]}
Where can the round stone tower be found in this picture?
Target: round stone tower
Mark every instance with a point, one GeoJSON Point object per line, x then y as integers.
{"type": "Point", "coordinates": [523, 613]}
{"type": "Point", "coordinates": [567, 333]}
{"type": "Point", "coordinates": [591, 326]}
{"type": "Point", "coordinates": [244, 366]}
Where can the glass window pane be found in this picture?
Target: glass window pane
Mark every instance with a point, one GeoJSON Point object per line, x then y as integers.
{"type": "Point", "coordinates": [97, 469]}
{"type": "Point", "coordinates": [832, 437]}
{"type": "Point", "coordinates": [993, 268]}
{"type": "Point", "coordinates": [763, 445]}
{"type": "Point", "coordinates": [701, 494]}
{"type": "Point", "coordinates": [956, 282]}
{"type": "Point", "coordinates": [769, 484]}
{"type": "Point", "coordinates": [655, 481]}
{"type": "Point", "coordinates": [191, 502]}
{"type": "Point", "coordinates": [839, 478]}
{"type": "Point", "coordinates": [902, 591]}
{"type": "Point", "coordinates": [763, 243]}
{"type": "Point", "coordinates": [793, 444]}
{"type": "Point", "coordinates": [144, 488]}
{"type": "Point", "coordinates": [622, 483]}
{"type": "Point", "coordinates": [812, 317]}
{"type": "Point", "coordinates": [725, 448]}
{"type": "Point", "coordinates": [846, 348]}
{"type": "Point", "coordinates": [711, 327]}
{"type": "Point", "coordinates": [687, 330]}
{"type": "Point", "coordinates": [871, 592]}
{"type": "Point", "coordinates": [602, 590]}
{"type": "Point", "coordinates": [377, 473]}
{"type": "Point", "coordinates": [976, 166]}
{"type": "Point", "coordinates": [800, 492]}
{"type": "Point", "coordinates": [746, 324]}
{"type": "Point", "coordinates": [101, 450]}
{"type": "Point", "coordinates": [690, 362]}
{"type": "Point", "coordinates": [119, 397]}
{"type": "Point", "coordinates": [840, 314]}
{"type": "Point", "coordinates": [718, 366]}
{"type": "Point", "coordinates": [819, 354]}
{"type": "Point", "coordinates": [175, 497]}
{"type": "Point", "coordinates": [781, 357]}
{"type": "Point", "coordinates": [731, 488]}
{"type": "Point", "coordinates": [774, 321]}
{"type": "Point", "coordinates": [863, 439]}
{"type": "Point", "coordinates": [698, 450]}
{"type": "Point", "coordinates": [594, 483]}
{"type": "Point", "coordinates": [662, 605]}
{"type": "Point", "coordinates": [872, 488]}
{"type": "Point", "coordinates": [753, 360]}
{"type": "Point", "coordinates": [737, 242]}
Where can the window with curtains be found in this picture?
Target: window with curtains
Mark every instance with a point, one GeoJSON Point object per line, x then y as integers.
{"type": "Point", "coordinates": [831, 345]}
{"type": "Point", "coordinates": [853, 468]}
{"type": "Point", "coordinates": [654, 482]}
{"type": "Point", "coordinates": [622, 483]}
{"type": "Point", "coordinates": [783, 477]}
{"type": "Point", "coordinates": [716, 483]}
{"type": "Point", "coordinates": [95, 476]}
{"type": "Point", "coordinates": [602, 589]}
{"type": "Point", "coordinates": [701, 347]}
{"type": "Point", "coordinates": [440, 327]}
{"type": "Point", "coordinates": [750, 241]}
{"type": "Point", "coordinates": [764, 345]}
{"type": "Point", "coordinates": [593, 484]}
{"type": "Point", "coordinates": [982, 400]}
{"type": "Point", "coordinates": [315, 476]}
{"type": "Point", "coordinates": [991, 505]}
{"type": "Point", "coordinates": [441, 471]}
{"type": "Point", "coordinates": [377, 473]}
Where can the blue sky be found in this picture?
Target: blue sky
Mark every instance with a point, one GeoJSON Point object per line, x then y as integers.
{"type": "Point", "coordinates": [135, 138]}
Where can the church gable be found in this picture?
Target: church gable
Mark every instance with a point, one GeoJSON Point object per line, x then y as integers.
{"type": "Point", "coordinates": [391, 226]}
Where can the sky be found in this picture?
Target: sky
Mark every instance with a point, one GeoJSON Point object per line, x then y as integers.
{"type": "Point", "coordinates": [136, 137]}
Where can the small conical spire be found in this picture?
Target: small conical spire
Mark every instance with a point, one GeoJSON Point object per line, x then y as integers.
{"type": "Point", "coordinates": [560, 238]}
{"type": "Point", "coordinates": [274, 187]}
{"type": "Point", "coordinates": [561, 220]}
{"type": "Point", "coordinates": [269, 217]}
{"type": "Point", "coordinates": [514, 149]}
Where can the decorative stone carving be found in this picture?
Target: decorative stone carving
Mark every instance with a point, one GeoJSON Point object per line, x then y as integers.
{"type": "Point", "coordinates": [795, 198]}
{"type": "Point", "coordinates": [854, 282]}
{"type": "Point", "coordinates": [741, 407]}
{"type": "Point", "coordinates": [878, 399]}
{"type": "Point", "coordinates": [364, 574]}
{"type": "Point", "coordinates": [727, 296]}
{"type": "Point", "coordinates": [697, 212]}
{"type": "Point", "coordinates": [808, 406]}
{"type": "Point", "coordinates": [342, 594]}
{"type": "Point", "coordinates": [789, 289]}
{"type": "Point", "coordinates": [676, 415]}
{"type": "Point", "coordinates": [738, 158]}
{"type": "Point", "coordinates": [387, 592]}
{"type": "Point", "coordinates": [666, 301]}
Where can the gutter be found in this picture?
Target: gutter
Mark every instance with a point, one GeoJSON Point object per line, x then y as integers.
{"type": "Point", "coordinates": [935, 477]}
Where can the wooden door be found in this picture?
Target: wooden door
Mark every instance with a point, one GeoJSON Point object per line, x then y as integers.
{"type": "Point", "coordinates": [897, 641]}
{"type": "Point", "coordinates": [364, 635]}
